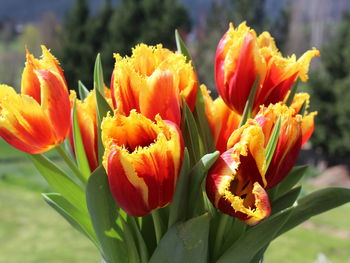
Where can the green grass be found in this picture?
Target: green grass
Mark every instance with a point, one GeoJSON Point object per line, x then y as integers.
{"type": "Point", "coordinates": [31, 232]}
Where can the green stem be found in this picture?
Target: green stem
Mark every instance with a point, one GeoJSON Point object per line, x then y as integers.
{"type": "Point", "coordinates": [157, 225]}
{"type": "Point", "coordinates": [70, 163]}
{"type": "Point", "coordinates": [220, 234]}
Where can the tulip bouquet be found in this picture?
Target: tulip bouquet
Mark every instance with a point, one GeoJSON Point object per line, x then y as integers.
{"type": "Point", "coordinates": [157, 170]}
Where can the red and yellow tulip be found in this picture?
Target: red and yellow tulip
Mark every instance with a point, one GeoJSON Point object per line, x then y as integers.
{"type": "Point", "coordinates": [86, 115]}
{"type": "Point", "coordinates": [235, 183]}
{"type": "Point", "coordinates": [222, 120]}
{"type": "Point", "coordinates": [142, 159]}
{"type": "Point", "coordinates": [289, 141]}
{"type": "Point", "coordinates": [38, 119]}
{"type": "Point", "coordinates": [242, 56]}
{"type": "Point", "coordinates": [152, 81]}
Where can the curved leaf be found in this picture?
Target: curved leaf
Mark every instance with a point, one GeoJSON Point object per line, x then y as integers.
{"type": "Point", "coordinates": [79, 220]}
{"type": "Point", "coordinates": [103, 213]}
{"type": "Point", "coordinates": [59, 181]}
{"type": "Point", "coordinates": [316, 203]}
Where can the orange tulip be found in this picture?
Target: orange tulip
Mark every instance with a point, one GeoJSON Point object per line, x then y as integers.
{"type": "Point", "coordinates": [38, 119]}
{"type": "Point", "coordinates": [235, 183]}
{"type": "Point", "coordinates": [241, 56]}
{"type": "Point", "coordinates": [86, 115]}
{"type": "Point", "coordinates": [142, 159]}
{"type": "Point", "coordinates": [222, 120]}
{"type": "Point", "coordinates": [152, 81]}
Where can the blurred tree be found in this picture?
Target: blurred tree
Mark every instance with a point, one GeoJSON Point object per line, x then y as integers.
{"type": "Point", "coordinates": [99, 37]}
{"type": "Point", "coordinates": [329, 86]}
{"type": "Point", "coordinates": [116, 30]}
{"type": "Point", "coordinates": [279, 27]}
{"type": "Point", "coordinates": [50, 30]}
{"type": "Point", "coordinates": [252, 11]}
{"type": "Point", "coordinates": [76, 49]}
{"type": "Point", "coordinates": [31, 38]}
{"type": "Point", "coordinates": [145, 21]}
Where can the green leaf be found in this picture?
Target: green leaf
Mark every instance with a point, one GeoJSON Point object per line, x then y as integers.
{"type": "Point", "coordinates": [142, 248]}
{"type": "Point", "coordinates": [103, 213]}
{"type": "Point", "coordinates": [178, 205]}
{"type": "Point", "coordinates": [79, 220]}
{"type": "Point", "coordinates": [130, 243]}
{"type": "Point", "coordinates": [292, 93]}
{"type": "Point", "coordinates": [271, 145]}
{"type": "Point", "coordinates": [197, 176]}
{"type": "Point", "coordinates": [59, 181]}
{"type": "Point", "coordinates": [303, 109]}
{"type": "Point", "coordinates": [316, 203]}
{"type": "Point", "coordinates": [203, 124]}
{"type": "Point", "coordinates": [184, 242]}
{"type": "Point", "coordinates": [102, 107]}
{"type": "Point", "coordinates": [244, 249]}
{"type": "Point", "coordinates": [79, 149]}
{"type": "Point", "coordinates": [250, 102]}
{"type": "Point", "coordinates": [181, 47]}
{"type": "Point", "coordinates": [190, 134]}
{"type": "Point", "coordinates": [234, 231]}
{"type": "Point", "coordinates": [148, 232]}
{"type": "Point", "coordinates": [286, 200]}
{"type": "Point", "coordinates": [83, 91]}
{"type": "Point", "coordinates": [291, 180]}
{"type": "Point", "coordinates": [98, 75]}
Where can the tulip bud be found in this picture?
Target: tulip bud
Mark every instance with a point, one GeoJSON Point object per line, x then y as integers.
{"type": "Point", "coordinates": [242, 56]}
{"type": "Point", "coordinates": [142, 160]}
{"type": "Point", "coordinates": [38, 119]}
{"type": "Point", "coordinates": [86, 115]}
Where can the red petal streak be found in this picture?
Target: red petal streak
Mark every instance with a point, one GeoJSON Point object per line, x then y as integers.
{"type": "Point", "coordinates": [128, 196]}
{"type": "Point", "coordinates": [160, 96]}
{"type": "Point", "coordinates": [55, 102]}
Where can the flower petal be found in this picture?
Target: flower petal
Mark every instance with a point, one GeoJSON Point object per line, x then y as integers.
{"type": "Point", "coordinates": [23, 124]}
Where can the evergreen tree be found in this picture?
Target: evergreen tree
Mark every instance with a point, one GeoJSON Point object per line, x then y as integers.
{"type": "Point", "coordinates": [100, 35]}
{"type": "Point", "coordinates": [252, 11]}
{"type": "Point", "coordinates": [76, 49]}
{"type": "Point", "coordinates": [147, 21]}
{"type": "Point", "coordinates": [116, 30]}
{"type": "Point", "coordinates": [329, 86]}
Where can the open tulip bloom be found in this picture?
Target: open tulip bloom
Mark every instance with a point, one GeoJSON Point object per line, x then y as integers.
{"type": "Point", "coordinates": [159, 170]}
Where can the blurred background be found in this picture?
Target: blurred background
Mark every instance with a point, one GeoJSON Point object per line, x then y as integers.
{"type": "Point", "coordinates": [76, 30]}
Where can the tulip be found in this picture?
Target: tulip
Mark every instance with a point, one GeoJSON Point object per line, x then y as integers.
{"type": "Point", "coordinates": [142, 159]}
{"type": "Point", "coordinates": [222, 120]}
{"type": "Point", "coordinates": [86, 116]}
{"type": "Point", "coordinates": [235, 183]}
{"type": "Point", "coordinates": [242, 56]}
{"type": "Point", "coordinates": [289, 141]}
{"type": "Point", "coordinates": [152, 81]}
{"type": "Point", "coordinates": [38, 119]}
